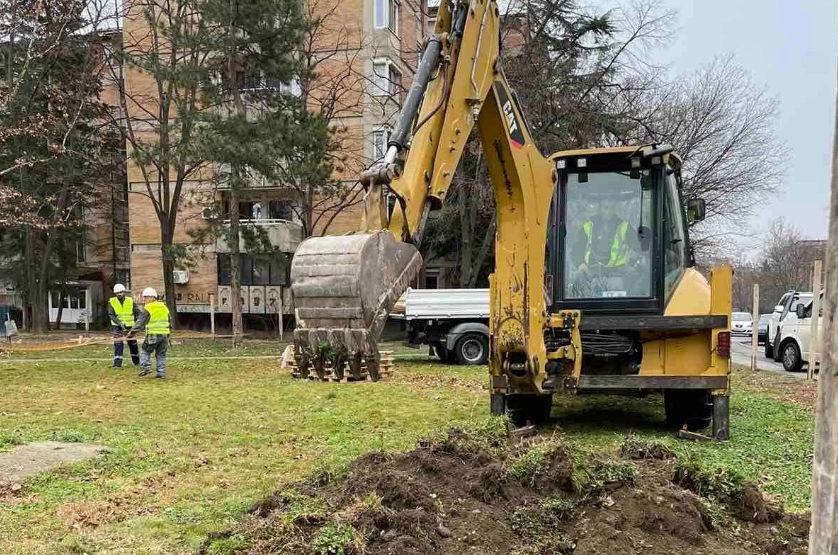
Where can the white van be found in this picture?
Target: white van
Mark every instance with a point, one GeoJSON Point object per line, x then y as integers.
{"type": "Point", "coordinates": [795, 336]}
{"type": "Point", "coordinates": [787, 305]}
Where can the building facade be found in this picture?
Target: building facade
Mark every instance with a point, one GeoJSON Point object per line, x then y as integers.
{"type": "Point", "coordinates": [367, 52]}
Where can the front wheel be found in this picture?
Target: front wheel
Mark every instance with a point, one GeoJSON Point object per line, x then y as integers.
{"type": "Point", "coordinates": [792, 361]}
{"type": "Point", "coordinates": [472, 349]}
{"type": "Point", "coordinates": [769, 352]}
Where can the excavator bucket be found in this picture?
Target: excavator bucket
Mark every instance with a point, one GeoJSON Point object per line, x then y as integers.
{"type": "Point", "coordinates": [344, 288]}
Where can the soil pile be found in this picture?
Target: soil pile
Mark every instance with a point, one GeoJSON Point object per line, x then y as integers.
{"type": "Point", "coordinates": [470, 494]}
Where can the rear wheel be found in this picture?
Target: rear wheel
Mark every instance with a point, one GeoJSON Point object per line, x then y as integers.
{"type": "Point", "coordinates": [689, 407]}
{"type": "Point", "coordinates": [472, 349]}
{"type": "Point", "coordinates": [523, 408]}
{"type": "Point", "coordinates": [792, 361]}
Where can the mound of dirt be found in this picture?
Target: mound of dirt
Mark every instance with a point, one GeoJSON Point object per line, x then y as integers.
{"type": "Point", "coordinates": [463, 496]}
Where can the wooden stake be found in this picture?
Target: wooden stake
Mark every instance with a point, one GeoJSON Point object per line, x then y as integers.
{"type": "Point", "coordinates": [813, 329]}
{"type": "Point", "coordinates": [823, 537]}
{"type": "Point", "coordinates": [755, 328]}
{"type": "Point", "coordinates": [212, 315]}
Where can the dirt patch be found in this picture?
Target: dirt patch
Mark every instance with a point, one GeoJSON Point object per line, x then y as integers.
{"type": "Point", "coordinates": [538, 498]}
{"type": "Point", "coordinates": [780, 387]}
{"type": "Point", "coordinates": [32, 458]}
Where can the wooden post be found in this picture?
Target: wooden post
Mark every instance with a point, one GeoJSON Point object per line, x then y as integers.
{"type": "Point", "coordinates": [279, 310]}
{"type": "Point", "coordinates": [755, 328]}
{"type": "Point", "coordinates": [87, 310]}
{"type": "Point", "coordinates": [212, 314]}
{"type": "Point", "coordinates": [823, 535]}
{"type": "Point", "coordinates": [813, 329]}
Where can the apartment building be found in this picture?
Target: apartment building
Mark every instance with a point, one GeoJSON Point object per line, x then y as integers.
{"type": "Point", "coordinates": [371, 49]}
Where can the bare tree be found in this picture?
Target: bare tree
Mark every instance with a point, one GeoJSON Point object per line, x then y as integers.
{"type": "Point", "coordinates": [723, 126]}
{"type": "Point", "coordinates": [787, 260]}
{"type": "Point", "coordinates": [164, 57]}
{"type": "Point", "coordinates": [332, 84]}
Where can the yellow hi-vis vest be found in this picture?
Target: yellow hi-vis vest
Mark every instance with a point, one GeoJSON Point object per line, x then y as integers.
{"type": "Point", "coordinates": [619, 251]}
{"type": "Point", "coordinates": [158, 323]}
{"type": "Point", "coordinates": [124, 311]}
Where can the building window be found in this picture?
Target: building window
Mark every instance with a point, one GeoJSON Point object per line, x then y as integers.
{"type": "Point", "coordinates": [386, 78]}
{"type": "Point", "coordinates": [281, 210]}
{"type": "Point", "coordinates": [432, 278]}
{"type": "Point", "coordinates": [387, 15]}
{"type": "Point", "coordinates": [380, 137]}
{"type": "Point", "coordinates": [257, 270]}
{"type": "Point", "coordinates": [81, 249]}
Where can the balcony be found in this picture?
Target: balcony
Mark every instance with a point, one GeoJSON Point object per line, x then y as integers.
{"type": "Point", "coordinates": [285, 235]}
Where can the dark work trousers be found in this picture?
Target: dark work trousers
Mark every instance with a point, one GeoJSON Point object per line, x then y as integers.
{"type": "Point", "coordinates": [118, 347]}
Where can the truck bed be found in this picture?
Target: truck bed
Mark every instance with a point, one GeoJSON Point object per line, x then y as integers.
{"type": "Point", "coordinates": [438, 304]}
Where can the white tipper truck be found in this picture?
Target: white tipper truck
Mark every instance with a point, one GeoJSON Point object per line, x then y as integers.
{"type": "Point", "coordinates": [453, 322]}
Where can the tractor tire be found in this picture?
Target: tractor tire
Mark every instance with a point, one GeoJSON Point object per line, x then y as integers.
{"type": "Point", "coordinates": [792, 361]}
{"type": "Point", "coordinates": [472, 349]}
{"type": "Point", "coordinates": [688, 407]}
{"type": "Point", "coordinates": [532, 408]}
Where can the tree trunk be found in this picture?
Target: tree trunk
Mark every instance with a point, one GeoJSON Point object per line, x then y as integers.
{"type": "Point", "coordinates": [488, 241]}
{"type": "Point", "coordinates": [168, 254]}
{"type": "Point", "coordinates": [465, 235]}
{"type": "Point", "coordinates": [236, 181]}
{"type": "Point", "coordinates": [823, 538]}
{"type": "Point", "coordinates": [235, 264]}
{"type": "Point", "coordinates": [60, 310]}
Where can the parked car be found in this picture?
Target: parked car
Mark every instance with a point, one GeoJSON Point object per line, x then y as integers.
{"type": "Point", "coordinates": [787, 304]}
{"type": "Point", "coordinates": [741, 323]}
{"type": "Point", "coordinates": [796, 334]}
{"type": "Point", "coordinates": [762, 328]}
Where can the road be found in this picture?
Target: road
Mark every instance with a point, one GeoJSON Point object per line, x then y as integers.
{"type": "Point", "coordinates": [741, 354]}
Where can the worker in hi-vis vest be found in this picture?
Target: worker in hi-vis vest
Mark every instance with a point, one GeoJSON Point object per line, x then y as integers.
{"type": "Point", "coordinates": [157, 322]}
{"type": "Point", "coordinates": [122, 313]}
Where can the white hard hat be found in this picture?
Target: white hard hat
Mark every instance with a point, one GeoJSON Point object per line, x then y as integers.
{"type": "Point", "coordinates": [119, 288]}
{"type": "Point", "coordinates": [149, 292]}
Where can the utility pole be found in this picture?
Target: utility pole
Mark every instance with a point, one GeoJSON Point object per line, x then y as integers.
{"type": "Point", "coordinates": [823, 537]}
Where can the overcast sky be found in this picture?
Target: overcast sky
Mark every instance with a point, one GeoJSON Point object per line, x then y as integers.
{"type": "Point", "coordinates": [790, 47]}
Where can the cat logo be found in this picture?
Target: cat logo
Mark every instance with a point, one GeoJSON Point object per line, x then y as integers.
{"type": "Point", "coordinates": [516, 135]}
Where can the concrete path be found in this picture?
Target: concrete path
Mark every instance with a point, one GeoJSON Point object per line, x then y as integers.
{"type": "Point", "coordinates": [32, 458]}
{"type": "Point", "coordinates": [741, 354]}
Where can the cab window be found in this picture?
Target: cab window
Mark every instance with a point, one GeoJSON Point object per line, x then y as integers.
{"type": "Point", "coordinates": [674, 241]}
{"type": "Point", "coordinates": [609, 227]}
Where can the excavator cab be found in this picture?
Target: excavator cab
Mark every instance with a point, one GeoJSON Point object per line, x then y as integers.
{"type": "Point", "coordinates": [617, 240]}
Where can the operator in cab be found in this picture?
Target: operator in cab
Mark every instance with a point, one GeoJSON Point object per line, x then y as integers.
{"type": "Point", "coordinates": [605, 250]}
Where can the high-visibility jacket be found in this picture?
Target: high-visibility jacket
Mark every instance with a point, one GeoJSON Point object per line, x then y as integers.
{"type": "Point", "coordinates": [124, 311]}
{"type": "Point", "coordinates": [158, 321]}
{"type": "Point", "coordinates": [619, 255]}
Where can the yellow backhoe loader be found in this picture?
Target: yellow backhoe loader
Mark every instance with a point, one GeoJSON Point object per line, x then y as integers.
{"type": "Point", "coordinates": [593, 288]}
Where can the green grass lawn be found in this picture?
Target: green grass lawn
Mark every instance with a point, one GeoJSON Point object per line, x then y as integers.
{"type": "Point", "coordinates": [190, 454]}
